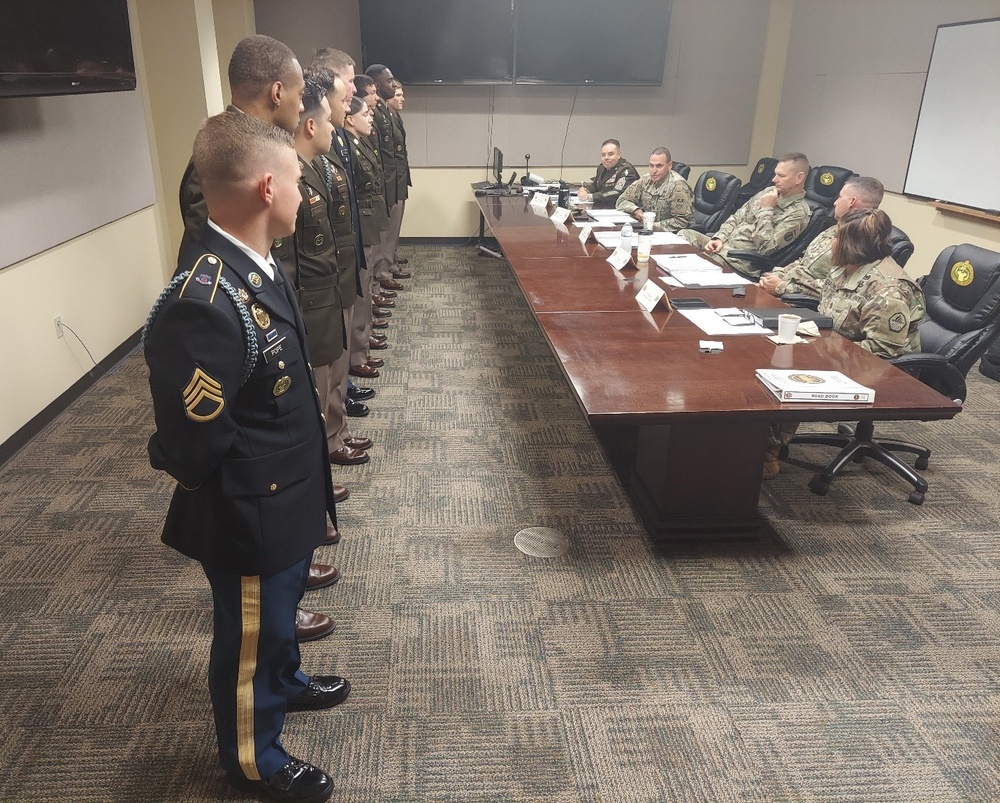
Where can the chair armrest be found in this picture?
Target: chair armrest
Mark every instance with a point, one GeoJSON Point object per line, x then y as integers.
{"type": "Point", "coordinates": [757, 260]}
{"type": "Point", "coordinates": [935, 371]}
{"type": "Point", "coordinates": [800, 300]}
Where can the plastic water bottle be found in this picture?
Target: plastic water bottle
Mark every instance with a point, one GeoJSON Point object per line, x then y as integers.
{"type": "Point", "coordinates": [626, 242]}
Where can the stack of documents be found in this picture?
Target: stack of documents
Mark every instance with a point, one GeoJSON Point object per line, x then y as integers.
{"type": "Point", "coordinates": [610, 216]}
{"type": "Point", "coordinates": [723, 321]}
{"type": "Point", "coordinates": [814, 386]}
{"type": "Point", "coordinates": [691, 270]}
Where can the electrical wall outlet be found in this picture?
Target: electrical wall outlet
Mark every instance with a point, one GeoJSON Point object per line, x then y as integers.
{"type": "Point", "coordinates": [58, 324]}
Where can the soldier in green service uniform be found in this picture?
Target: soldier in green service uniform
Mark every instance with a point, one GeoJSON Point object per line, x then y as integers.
{"type": "Point", "coordinates": [872, 301]}
{"type": "Point", "coordinates": [771, 219]}
{"type": "Point", "coordinates": [807, 274]}
{"type": "Point", "coordinates": [614, 174]}
{"type": "Point", "coordinates": [661, 191]}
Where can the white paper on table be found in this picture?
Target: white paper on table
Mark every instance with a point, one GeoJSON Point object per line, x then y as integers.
{"type": "Point", "coordinates": [671, 281]}
{"type": "Point", "coordinates": [711, 322]}
{"type": "Point", "coordinates": [610, 216]}
{"type": "Point", "coordinates": [611, 239]}
{"type": "Point", "coordinates": [594, 224]}
{"type": "Point", "coordinates": [687, 262]}
{"type": "Point", "coordinates": [702, 278]}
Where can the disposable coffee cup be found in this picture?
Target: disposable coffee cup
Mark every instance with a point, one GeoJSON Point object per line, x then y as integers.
{"type": "Point", "coordinates": [787, 326]}
{"type": "Point", "coordinates": [647, 220]}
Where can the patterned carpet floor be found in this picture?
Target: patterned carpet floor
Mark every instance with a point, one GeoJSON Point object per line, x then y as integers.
{"type": "Point", "coordinates": [856, 657]}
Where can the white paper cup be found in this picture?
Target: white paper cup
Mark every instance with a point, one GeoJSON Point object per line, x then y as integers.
{"type": "Point", "coordinates": [787, 325]}
{"type": "Point", "coordinates": [647, 220]}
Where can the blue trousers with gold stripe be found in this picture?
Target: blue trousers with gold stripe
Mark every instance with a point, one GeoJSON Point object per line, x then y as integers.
{"type": "Point", "coordinates": [254, 666]}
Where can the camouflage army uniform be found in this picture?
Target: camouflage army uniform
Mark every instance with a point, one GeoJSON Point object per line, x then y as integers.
{"type": "Point", "coordinates": [878, 307]}
{"type": "Point", "coordinates": [753, 227]}
{"type": "Point", "coordinates": [808, 273]}
{"type": "Point", "coordinates": [607, 185]}
{"type": "Point", "coordinates": [672, 200]}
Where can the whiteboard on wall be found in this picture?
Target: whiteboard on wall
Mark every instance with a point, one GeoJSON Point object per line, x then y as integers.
{"type": "Point", "coordinates": [955, 157]}
{"type": "Point", "coordinates": [69, 165]}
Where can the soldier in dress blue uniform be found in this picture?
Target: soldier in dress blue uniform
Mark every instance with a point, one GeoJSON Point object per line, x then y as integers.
{"type": "Point", "coordinates": [239, 426]}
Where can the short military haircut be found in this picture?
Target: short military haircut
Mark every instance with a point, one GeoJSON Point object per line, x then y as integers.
{"type": "Point", "coordinates": [661, 151]}
{"type": "Point", "coordinates": [862, 237]}
{"type": "Point", "coordinates": [357, 105]}
{"type": "Point", "coordinates": [361, 83]}
{"type": "Point", "coordinates": [869, 191]}
{"type": "Point", "coordinates": [257, 63]}
{"type": "Point", "coordinates": [232, 148]}
{"type": "Point", "coordinates": [799, 162]}
{"type": "Point", "coordinates": [616, 143]}
{"type": "Point", "coordinates": [375, 70]}
{"type": "Point", "coordinates": [334, 60]}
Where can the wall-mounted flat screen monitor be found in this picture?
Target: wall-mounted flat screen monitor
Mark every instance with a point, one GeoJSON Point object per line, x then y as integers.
{"type": "Point", "coordinates": [439, 41]}
{"type": "Point", "coordinates": [65, 47]}
{"type": "Point", "coordinates": [591, 42]}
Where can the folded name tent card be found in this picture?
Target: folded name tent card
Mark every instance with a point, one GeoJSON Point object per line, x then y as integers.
{"type": "Point", "coordinates": [799, 385]}
{"type": "Point", "coordinates": [560, 215]}
{"type": "Point", "coordinates": [585, 233]}
{"type": "Point", "coordinates": [650, 295]}
{"type": "Point", "coordinates": [620, 257]}
{"type": "Point", "coordinates": [540, 200]}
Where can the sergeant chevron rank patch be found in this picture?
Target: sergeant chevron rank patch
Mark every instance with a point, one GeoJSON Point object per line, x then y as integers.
{"type": "Point", "coordinates": [203, 399]}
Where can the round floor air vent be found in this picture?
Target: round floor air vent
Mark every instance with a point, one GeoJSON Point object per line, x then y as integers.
{"type": "Point", "coordinates": [541, 542]}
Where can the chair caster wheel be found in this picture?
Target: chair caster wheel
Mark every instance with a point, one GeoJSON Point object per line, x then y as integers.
{"type": "Point", "coordinates": [845, 429]}
{"type": "Point", "coordinates": [920, 463]}
{"type": "Point", "coordinates": [916, 498]}
{"type": "Point", "coordinates": [818, 487]}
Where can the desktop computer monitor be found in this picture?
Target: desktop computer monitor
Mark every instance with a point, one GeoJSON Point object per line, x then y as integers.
{"type": "Point", "coordinates": [497, 165]}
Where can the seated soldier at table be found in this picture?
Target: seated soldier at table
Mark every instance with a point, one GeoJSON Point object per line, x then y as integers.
{"type": "Point", "coordinates": [807, 274]}
{"type": "Point", "coordinates": [771, 219]}
{"type": "Point", "coordinates": [872, 301]}
{"type": "Point", "coordinates": [614, 174]}
{"type": "Point", "coordinates": [661, 191]}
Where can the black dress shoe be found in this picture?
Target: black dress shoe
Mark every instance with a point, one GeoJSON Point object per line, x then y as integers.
{"type": "Point", "coordinates": [360, 394]}
{"type": "Point", "coordinates": [402, 261]}
{"type": "Point", "coordinates": [321, 575]}
{"type": "Point", "coordinates": [356, 409]}
{"type": "Point", "coordinates": [323, 691]}
{"type": "Point", "coordinates": [296, 782]}
{"type": "Point", "coordinates": [312, 626]}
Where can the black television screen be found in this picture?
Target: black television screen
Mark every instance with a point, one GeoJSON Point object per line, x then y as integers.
{"type": "Point", "coordinates": [439, 41]}
{"type": "Point", "coordinates": [498, 164]}
{"type": "Point", "coordinates": [584, 42]}
{"type": "Point", "coordinates": [64, 47]}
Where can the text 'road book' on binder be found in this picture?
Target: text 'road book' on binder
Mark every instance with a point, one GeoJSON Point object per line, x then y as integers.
{"type": "Point", "coordinates": [814, 386]}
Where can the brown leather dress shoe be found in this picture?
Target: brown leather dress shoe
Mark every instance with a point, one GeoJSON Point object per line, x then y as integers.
{"type": "Point", "coordinates": [377, 345]}
{"type": "Point", "coordinates": [375, 362]}
{"type": "Point", "coordinates": [310, 626]}
{"type": "Point", "coordinates": [380, 323]}
{"type": "Point", "coordinates": [383, 301]}
{"type": "Point", "coordinates": [402, 261]}
{"type": "Point", "coordinates": [332, 535]}
{"type": "Point", "coordinates": [401, 274]}
{"type": "Point", "coordinates": [346, 456]}
{"type": "Point", "coordinates": [388, 293]}
{"type": "Point", "coordinates": [358, 443]}
{"type": "Point", "coordinates": [321, 575]}
{"type": "Point", "coordinates": [391, 284]}
{"type": "Point", "coordinates": [340, 494]}
{"type": "Point", "coordinates": [363, 370]}
{"type": "Point", "coordinates": [378, 312]}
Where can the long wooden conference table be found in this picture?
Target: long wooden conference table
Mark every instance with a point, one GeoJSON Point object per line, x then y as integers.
{"type": "Point", "coordinates": [700, 420]}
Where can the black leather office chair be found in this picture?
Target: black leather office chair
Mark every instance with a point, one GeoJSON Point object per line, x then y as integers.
{"type": "Point", "coordinates": [963, 319]}
{"type": "Point", "coordinates": [902, 247]}
{"type": "Point", "coordinates": [989, 365]}
{"type": "Point", "coordinates": [714, 200]}
{"type": "Point", "coordinates": [760, 178]}
{"type": "Point", "coordinates": [683, 169]}
{"type": "Point", "coordinates": [823, 185]}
